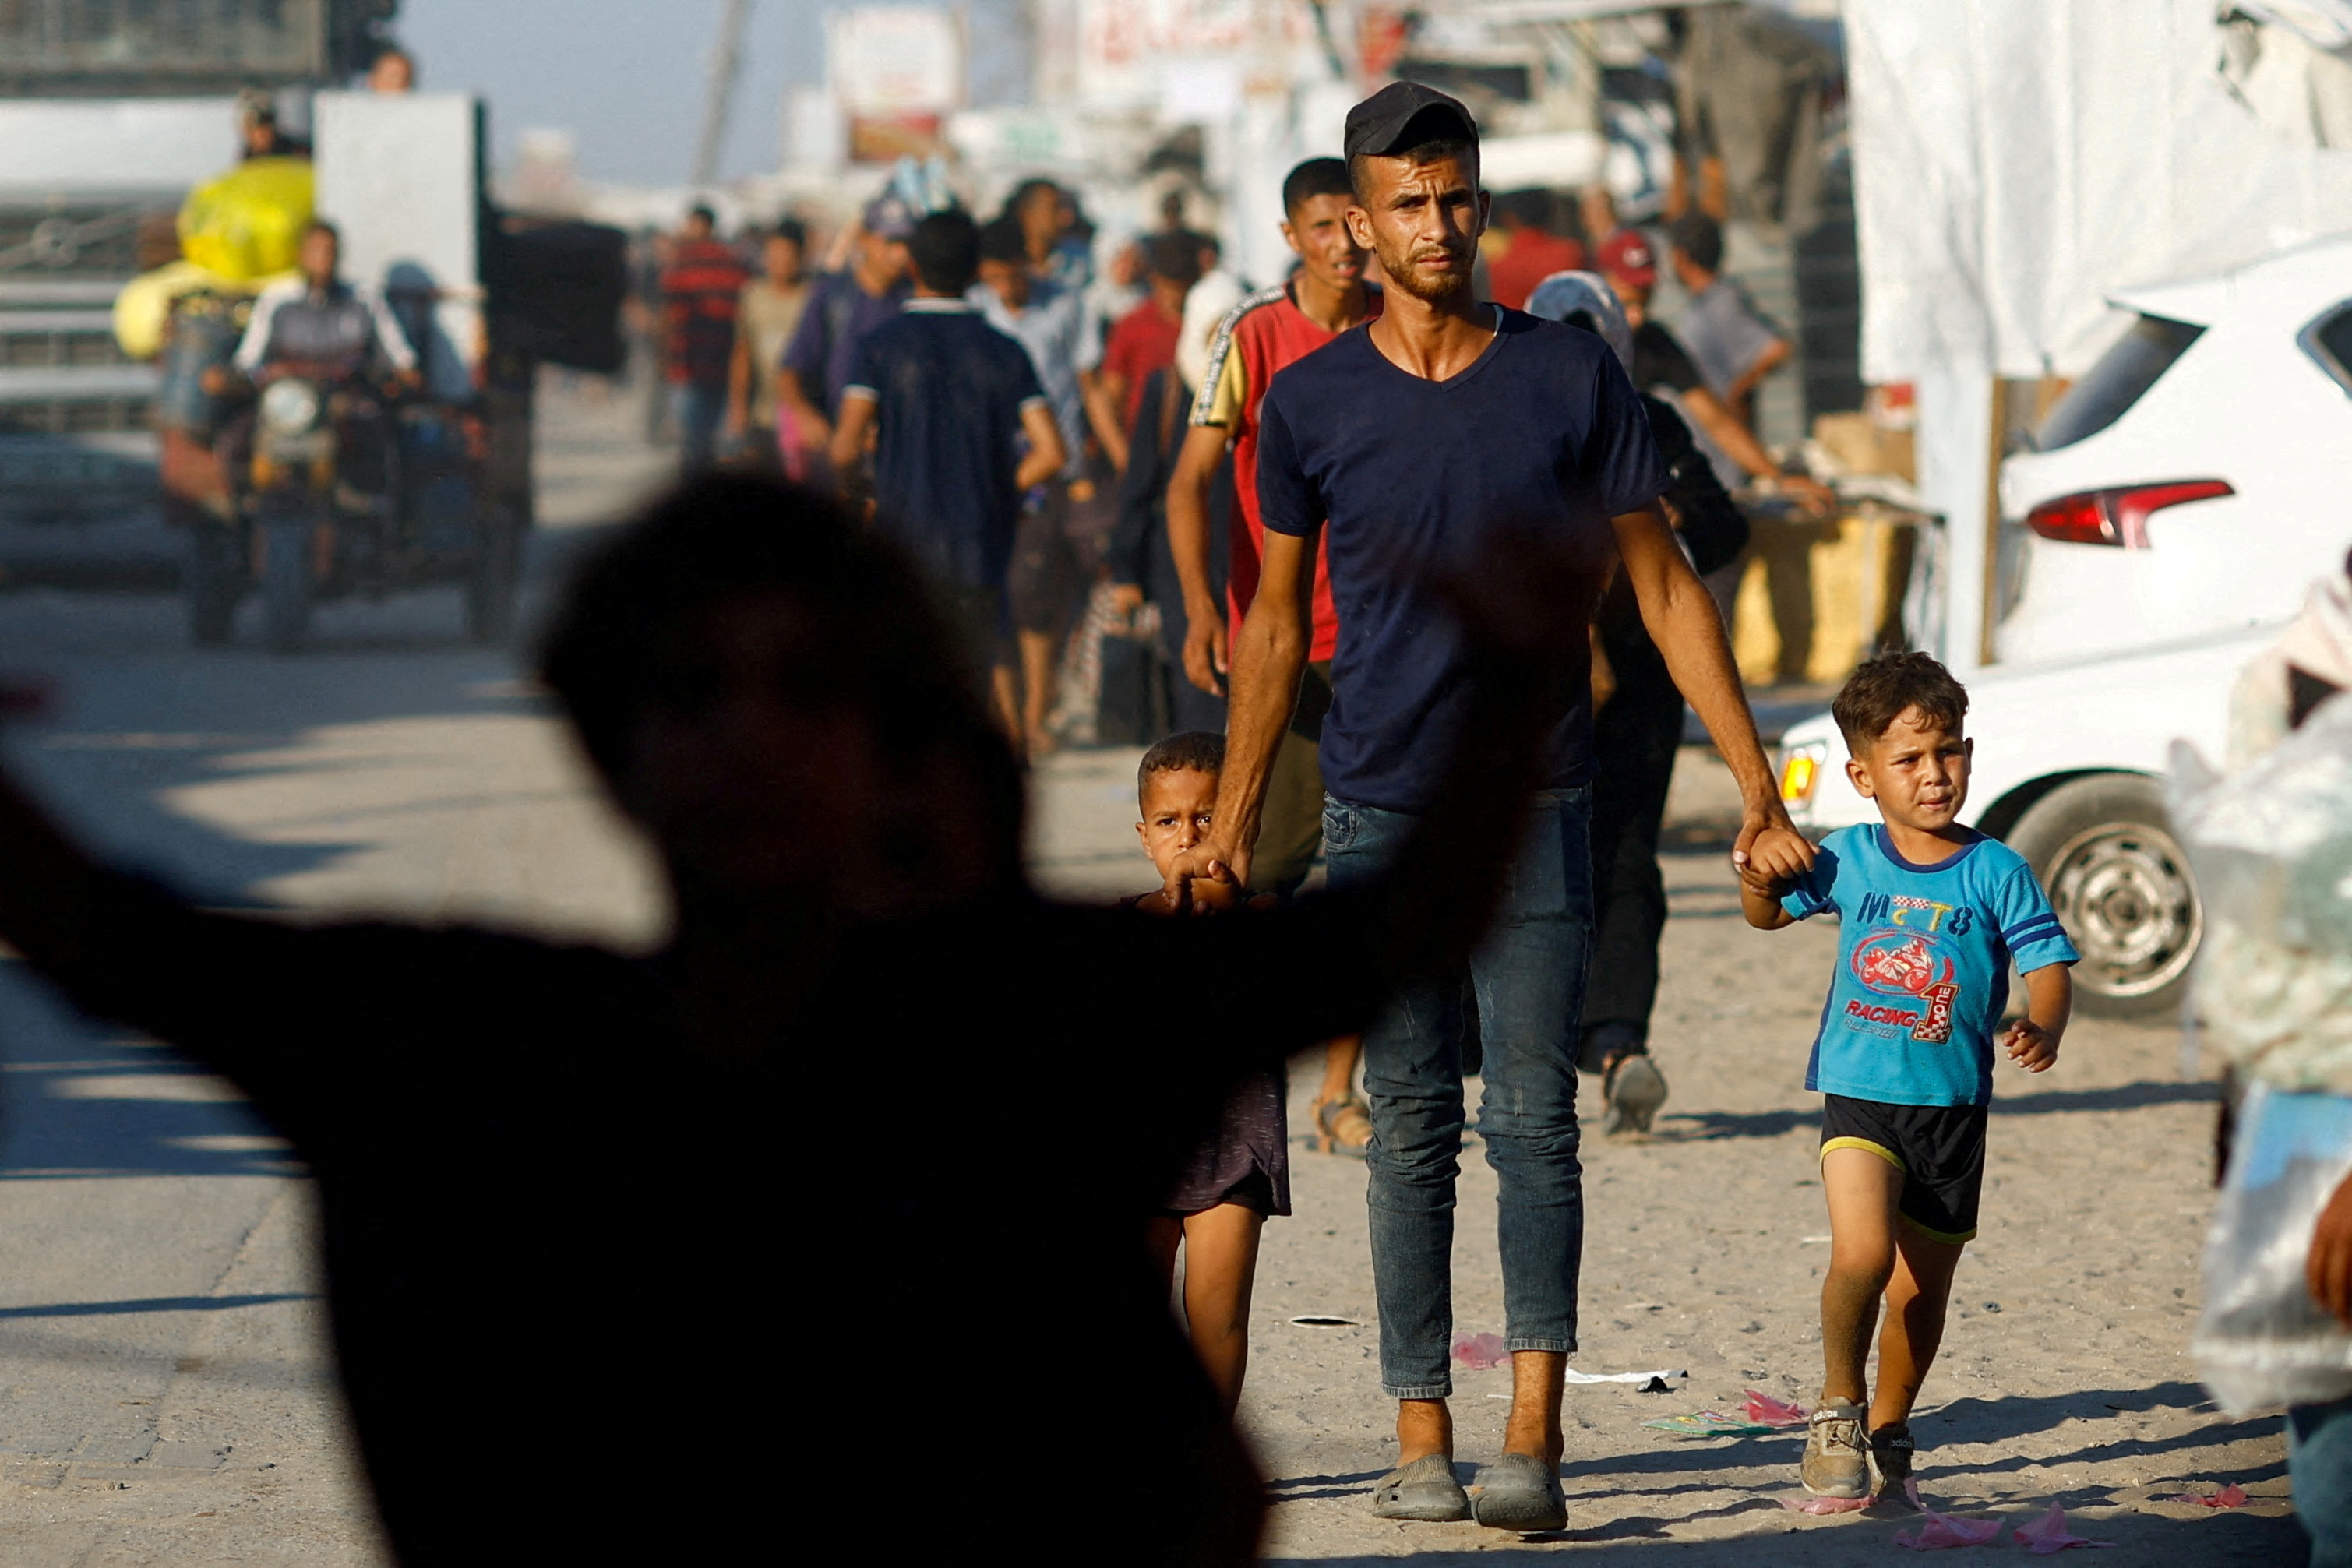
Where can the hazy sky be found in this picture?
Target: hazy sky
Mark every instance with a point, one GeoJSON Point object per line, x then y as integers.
{"type": "Point", "coordinates": [627, 77]}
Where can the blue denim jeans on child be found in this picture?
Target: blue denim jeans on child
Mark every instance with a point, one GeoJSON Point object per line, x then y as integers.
{"type": "Point", "coordinates": [1527, 978]}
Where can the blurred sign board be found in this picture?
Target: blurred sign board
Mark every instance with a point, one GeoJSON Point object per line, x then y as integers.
{"type": "Point", "coordinates": [1127, 49]}
{"type": "Point", "coordinates": [1123, 44]}
{"type": "Point", "coordinates": [897, 72]}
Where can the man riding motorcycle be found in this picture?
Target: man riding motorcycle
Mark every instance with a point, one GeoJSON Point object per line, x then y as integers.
{"type": "Point", "coordinates": [323, 329]}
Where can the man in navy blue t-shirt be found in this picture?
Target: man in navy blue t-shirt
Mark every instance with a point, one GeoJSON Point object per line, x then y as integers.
{"type": "Point", "coordinates": [1415, 441]}
{"type": "Point", "coordinates": [961, 428]}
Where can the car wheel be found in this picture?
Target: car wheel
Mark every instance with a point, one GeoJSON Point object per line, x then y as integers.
{"type": "Point", "coordinates": [2121, 884]}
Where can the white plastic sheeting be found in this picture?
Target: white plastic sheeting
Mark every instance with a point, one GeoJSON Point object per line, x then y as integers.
{"type": "Point", "coordinates": [2015, 163]}
{"type": "Point", "coordinates": [2015, 160]}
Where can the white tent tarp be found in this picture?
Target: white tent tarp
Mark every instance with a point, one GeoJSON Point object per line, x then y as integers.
{"type": "Point", "coordinates": [2015, 160]}
{"type": "Point", "coordinates": [2015, 163]}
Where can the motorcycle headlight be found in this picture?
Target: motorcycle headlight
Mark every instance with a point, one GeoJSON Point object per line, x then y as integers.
{"type": "Point", "coordinates": [289, 406]}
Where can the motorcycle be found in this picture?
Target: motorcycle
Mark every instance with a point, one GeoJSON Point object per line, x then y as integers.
{"type": "Point", "coordinates": [351, 489]}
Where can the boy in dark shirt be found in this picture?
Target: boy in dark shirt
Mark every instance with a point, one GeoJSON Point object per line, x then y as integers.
{"type": "Point", "coordinates": [1239, 1177]}
{"type": "Point", "coordinates": [949, 401]}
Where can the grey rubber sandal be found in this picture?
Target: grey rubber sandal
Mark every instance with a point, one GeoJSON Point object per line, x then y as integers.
{"type": "Point", "coordinates": [1634, 1090]}
{"type": "Point", "coordinates": [1519, 1491]}
{"type": "Point", "coordinates": [1424, 1489]}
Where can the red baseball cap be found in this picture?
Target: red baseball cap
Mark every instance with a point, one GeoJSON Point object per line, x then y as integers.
{"type": "Point", "coordinates": [1627, 255]}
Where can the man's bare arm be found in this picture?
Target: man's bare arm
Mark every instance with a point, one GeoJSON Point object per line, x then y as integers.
{"type": "Point", "coordinates": [1729, 431]}
{"type": "Point", "coordinates": [2328, 1270]}
{"type": "Point", "coordinates": [814, 428]}
{"type": "Point", "coordinates": [1268, 659]}
{"type": "Point", "coordinates": [1047, 456]}
{"type": "Point", "coordinates": [1206, 656]}
{"type": "Point", "coordinates": [1775, 354]}
{"type": "Point", "coordinates": [1682, 621]}
{"type": "Point", "coordinates": [1109, 417]}
{"type": "Point", "coordinates": [1102, 417]}
{"type": "Point", "coordinates": [849, 435]}
{"type": "Point", "coordinates": [739, 385]}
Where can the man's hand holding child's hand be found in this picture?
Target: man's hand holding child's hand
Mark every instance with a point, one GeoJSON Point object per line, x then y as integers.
{"type": "Point", "coordinates": [1775, 851]}
{"type": "Point", "coordinates": [1201, 896]}
{"type": "Point", "coordinates": [2029, 1045]}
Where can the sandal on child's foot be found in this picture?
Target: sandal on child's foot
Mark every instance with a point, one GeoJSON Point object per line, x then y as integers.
{"type": "Point", "coordinates": [1519, 1491]}
{"type": "Point", "coordinates": [1343, 1126]}
{"type": "Point", "coordinates": [1837, 1461]}
{"type": "Point", "coordinates": [1424, 1490]}
{"type": "Point", "coordinates": [1891, 1448]}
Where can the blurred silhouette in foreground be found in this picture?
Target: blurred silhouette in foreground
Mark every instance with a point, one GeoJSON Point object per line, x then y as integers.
{"type": "Point", "coordinates": [662, 1202]}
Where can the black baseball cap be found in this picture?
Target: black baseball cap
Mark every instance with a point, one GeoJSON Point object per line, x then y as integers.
{"type": "Point", "coordinates": [1379, 126]}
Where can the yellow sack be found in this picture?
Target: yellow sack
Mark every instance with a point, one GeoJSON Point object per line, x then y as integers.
{"type": "Point", "coordinates": [248, 223]}
{"type": "Point", "coordinates": [145, 303]}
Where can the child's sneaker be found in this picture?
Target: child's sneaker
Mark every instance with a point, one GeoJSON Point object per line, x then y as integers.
{"type": "Point", "coordinates": [1890, 1449]}
{"type": "Point", "coordinates": [1837, 1455]}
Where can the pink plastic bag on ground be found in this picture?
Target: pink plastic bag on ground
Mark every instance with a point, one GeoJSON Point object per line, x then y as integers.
{"type": "Point", "coordinates": [2048, 1534]}
{"type": "Point", "coordinates": [2230, 1496]}
{"type": "Point", "coordinates": [1942, 1530]}
{"type": "Point", "coordinates": [1799, 1502]}
{"type": "Point", "coordinates": [1481, 1351]}
{"type": "Point", "coordinates": [1767, 1411]}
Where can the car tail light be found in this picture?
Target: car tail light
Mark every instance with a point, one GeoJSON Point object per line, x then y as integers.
{"type": "Point", "coordinates": [2117, 516]}
{"type": "Point", "coordinates": [1800, 771]}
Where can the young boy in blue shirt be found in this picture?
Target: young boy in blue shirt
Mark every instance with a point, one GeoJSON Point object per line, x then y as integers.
{"type": "Point", "coordinates": [1932, 914]}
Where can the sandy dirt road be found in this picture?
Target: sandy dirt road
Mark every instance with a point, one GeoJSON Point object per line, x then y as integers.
{"type": "Point", "coordinates": [164, 1390]}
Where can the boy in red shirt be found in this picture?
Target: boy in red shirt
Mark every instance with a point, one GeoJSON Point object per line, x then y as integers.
{"type": "Point", "coordinates": [1531, 252]}
{"type": "Point", "coordinates": [1144, 339]}
{"type": "Point", "coordinates": [1265, 332]}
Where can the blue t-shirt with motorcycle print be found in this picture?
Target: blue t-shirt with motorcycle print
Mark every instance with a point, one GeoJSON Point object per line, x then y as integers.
{"type": "Point", "coordinates": [1923, 964]}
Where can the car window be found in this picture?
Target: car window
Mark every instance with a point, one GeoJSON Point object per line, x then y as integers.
{"type": "Point", "coordinates": [2329, 340]}
{"type": "Point", "coordinates": [2119, 379]}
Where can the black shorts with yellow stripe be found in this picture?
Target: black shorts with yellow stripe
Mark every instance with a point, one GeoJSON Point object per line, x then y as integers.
{"type": "Point", "coordinates": [1940, 1149]}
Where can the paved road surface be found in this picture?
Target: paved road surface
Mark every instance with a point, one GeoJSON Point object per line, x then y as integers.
{"type": "Point", "coordinates": [164, 1396]}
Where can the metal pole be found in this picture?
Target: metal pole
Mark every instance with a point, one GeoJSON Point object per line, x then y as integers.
{"type": "Point", "coordinates": [725, 65]}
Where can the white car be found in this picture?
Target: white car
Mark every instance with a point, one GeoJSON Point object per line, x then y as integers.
{"type": "Point", "coordinates": [2200, 474]}
{"type": "Point", "coordinates": [2069, 772]}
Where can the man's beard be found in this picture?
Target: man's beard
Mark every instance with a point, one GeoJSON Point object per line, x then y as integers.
{"type": "Point", "coordinates": [1430, 289]}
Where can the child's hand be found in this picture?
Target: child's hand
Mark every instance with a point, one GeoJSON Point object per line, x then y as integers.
{"type": "Point", "coordinates": [1160, 903]}
{"type": "Point", "coordinates": [2030, 1046]}
{"type": "Point", "coordinates": [1194, 895]}
{"type": "Point", "coordinates": [1775, 851]}
{"type": "Point", "coordinates": [1761, 887]}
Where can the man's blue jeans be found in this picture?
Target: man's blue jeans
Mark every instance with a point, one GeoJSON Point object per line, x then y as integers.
{"type": "Point", "coordinates": [1528, 978]}
{"type": "Point", "coordinates": [702, 409]}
